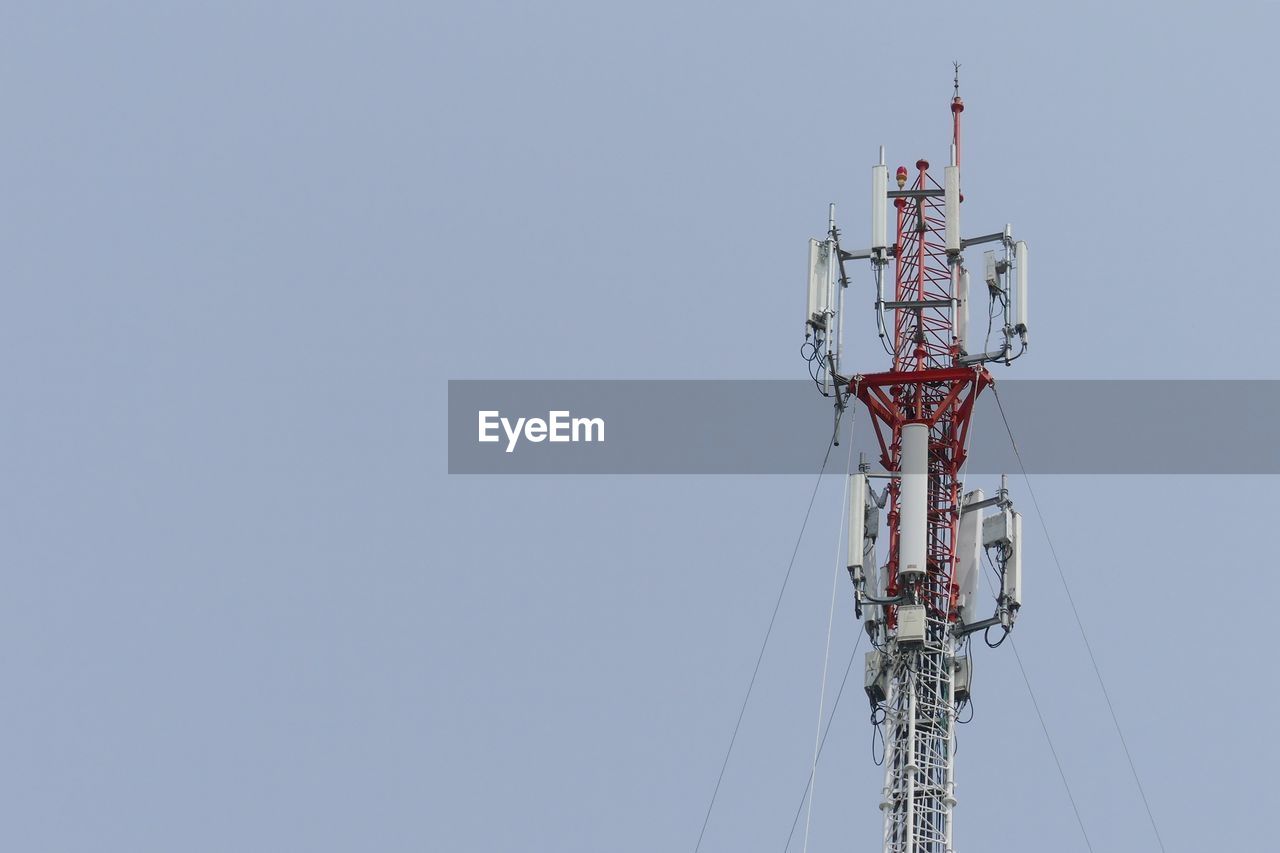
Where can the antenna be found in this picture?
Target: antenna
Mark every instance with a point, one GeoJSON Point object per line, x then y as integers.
{"type": "Point", "coordinates": [957, 107]}
{"type": "Point", "coordinates": [951, 196]}
{"type": "Point", "coordinates": [819, 273]}
{"type": "Point", "coordinates": [823, 315]}
{"type": "Point", "coordinates": [962, 309]}
{"type": "Point", "coordinates": [1020, 300]}
{"type": "Point", "coordinates": [879, 207]}
{"type": "Point", "coordinates": [921, 606]}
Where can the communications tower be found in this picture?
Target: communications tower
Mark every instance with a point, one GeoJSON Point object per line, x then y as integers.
{"type": "Point", "coordinates": [922, 605]}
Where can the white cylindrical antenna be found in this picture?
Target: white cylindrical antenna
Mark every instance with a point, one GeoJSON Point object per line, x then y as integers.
{"type": "Point", "coordinates": [953, 155]}
{"type": "Point", "coordinates": [879, 205]}
{"type": "Point", "coordinates": [951, 196]}
{"type": "Point", "coordinates": [913, 502]}
{"type": "Point", "coordinates": [831, 217]}
{"type": "Point", "coordinates": [857, 519]}
{"type": "Point", "coordinates": [962, 308]}
{"type": "Point", "coordinates": [1020, 303]}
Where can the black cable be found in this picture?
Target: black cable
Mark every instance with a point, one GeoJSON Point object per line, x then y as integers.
{"type": "Point", "coordinates": [816, 364]}
{"type": "Point", "coordinates": [815, 375]}
{"type": "Point", "coordinates": [882, 330]}
{"type": "Point", "coordinates": [1079, 623]}
{"type": "Point", "coordinates": [760, 657]}
{"type": "Point", "coordinates": [986, 552]}
{"type": "Point", "coordinates": [991, 318]}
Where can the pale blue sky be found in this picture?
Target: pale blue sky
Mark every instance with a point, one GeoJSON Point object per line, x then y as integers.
{"type": "Point", "coordinates": [244, 247]}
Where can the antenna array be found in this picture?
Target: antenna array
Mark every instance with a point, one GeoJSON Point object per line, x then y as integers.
{"type": "Point", "coordinates": [922, 606]}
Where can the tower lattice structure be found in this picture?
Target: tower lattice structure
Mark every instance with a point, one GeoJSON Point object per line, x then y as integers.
{"type": "Point", "coordinates": [930, 385]}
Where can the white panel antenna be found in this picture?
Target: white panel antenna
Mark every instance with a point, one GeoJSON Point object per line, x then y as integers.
{"type": "Point", "coordinates": [819, 278]}
{"type": "Point", "coordinates": [876, 677]}
{"type": "Point", "coordinates": [1013, 565]}
{"type": "Point", "coordinates": [962, 308]}
{"type": "Point", "coordinates": [872, 572]}
{"type": "Point", "coordinates": [951, 199]}
{"type": "Point", "coordinates": [872, 614]}
{"type": "Point", "coordinates": [1020, 300]}
{"type": "Point", "coordinates": [969, 554]}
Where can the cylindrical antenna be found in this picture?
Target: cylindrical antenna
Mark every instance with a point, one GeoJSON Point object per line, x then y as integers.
{"type": "Point", "coordinates": [913, 508]}
{"type": "Point", "coordinates": [857, 519]}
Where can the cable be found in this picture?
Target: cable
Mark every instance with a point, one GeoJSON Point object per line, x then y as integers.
{"type": "Point", "coordinates": [998, 574]}
{"type": "Point", "coordinates": [877, 732]}
{"type": "Point", "coordinates": [834, 706]}
{"type": "Point", "coordinates": [991, 319]}
{"type": "Point", "coordinates": [995, 572]}
{"type": "Point", "coordinates": [826, 657]}
{"type": "Point", "coordinates": [816, 364]}
{"type": "Point", "coordinates": [1079, 623]}
{"type": "Point", "coordinates": [763, 645]}
{"type": "Point", "coordinates": [1044, 727]}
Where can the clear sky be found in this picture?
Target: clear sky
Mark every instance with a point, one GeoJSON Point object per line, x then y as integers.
{"type": "Point", "coordinates": [245, 245]}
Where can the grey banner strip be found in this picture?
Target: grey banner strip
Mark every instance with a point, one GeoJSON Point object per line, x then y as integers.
{"type": "Point", "coordinates": [782, 427]}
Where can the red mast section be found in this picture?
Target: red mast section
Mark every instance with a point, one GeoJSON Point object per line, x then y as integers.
{"type": "Point", "coordinates": [928, 384]}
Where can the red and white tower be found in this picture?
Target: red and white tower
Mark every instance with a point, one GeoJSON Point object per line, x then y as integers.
{"type": "Point", "coordinates": [922, 605]}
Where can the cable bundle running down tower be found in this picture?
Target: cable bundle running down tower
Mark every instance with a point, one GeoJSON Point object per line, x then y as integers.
{"type": "Point", "coordinates": [922, 606]}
